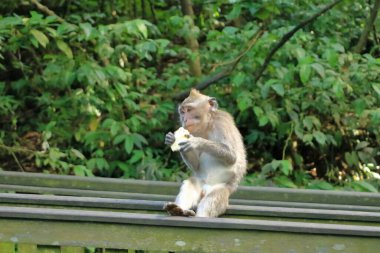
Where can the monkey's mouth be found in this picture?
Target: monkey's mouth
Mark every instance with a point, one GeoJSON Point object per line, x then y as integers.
{"type": "Point", "coordinates": [190, 128]}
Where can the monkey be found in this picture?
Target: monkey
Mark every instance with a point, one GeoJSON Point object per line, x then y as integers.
{"type": "Point", "coordinates": [214, 153]}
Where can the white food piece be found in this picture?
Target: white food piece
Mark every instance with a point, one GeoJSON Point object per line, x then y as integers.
{"type": "Point", "coordinates": [180, 135]}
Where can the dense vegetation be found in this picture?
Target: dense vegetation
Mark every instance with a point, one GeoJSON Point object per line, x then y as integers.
{"type": "Point", "coordinates": [91, 87]}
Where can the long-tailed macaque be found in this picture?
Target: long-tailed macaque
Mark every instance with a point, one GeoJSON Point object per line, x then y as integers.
{"type": "Point", "coordinates": [214, 152]}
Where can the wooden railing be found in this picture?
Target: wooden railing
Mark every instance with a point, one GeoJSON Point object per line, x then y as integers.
{"type": "Point", "coordinates": [49, 213]}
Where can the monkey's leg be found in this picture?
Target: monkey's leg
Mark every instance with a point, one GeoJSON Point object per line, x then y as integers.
{"type": "Point", "coordinates": [215, 202]}
{"type": "Point", "coordinates": [188, 197]}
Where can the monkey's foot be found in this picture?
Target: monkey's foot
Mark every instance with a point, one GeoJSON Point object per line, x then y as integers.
{"type": "Point", "coordinates": [174, 210]}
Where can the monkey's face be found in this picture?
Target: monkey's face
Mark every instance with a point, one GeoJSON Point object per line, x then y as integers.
{"type": "Point", "coordinates": [194, 117]}
{"type": "Point", "coordinates": [195, 112]}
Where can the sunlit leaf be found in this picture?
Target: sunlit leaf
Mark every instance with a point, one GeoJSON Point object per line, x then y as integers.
{"type": "Point", "coordinates": [40, 37]}
{"type": "Point", "coordinates": [279, 89]}
{"type": "Point", "coordinates": [64, 48]}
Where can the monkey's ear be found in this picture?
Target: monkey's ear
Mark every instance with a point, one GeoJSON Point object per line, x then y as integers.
{"type": "Point", "coordinates": [213, 103]}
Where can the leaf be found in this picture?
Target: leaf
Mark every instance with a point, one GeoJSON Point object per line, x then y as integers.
{"type": "Point", "coordinates": [338, 47]}
{"type": "Point", "coordinates": [258, 111]}
{"type": "Point", "coordinates": [64, 48]}
{"type": "Point", "coordinates": [319, 68]}
{"type": "Point", "coordinates": [120, 138]}
{"type": "Point", "coordinates": [376, 87]}
{"type": "Point", "coordinates": [40, 37]}
{"type": "Point", "coordinates": [305, 73]}
{"type": "Point", "coordinates": [284, 181]}
{"type": "Point", "coordinates": [307, 138]}
{"type": "Point", "coordinates": [363, 186]}
{"type": "Point", "coordinates": [235, 13]}
{"type": "Point", "coordinates": [138, 140]}
{"type": "Point", "coordinates": [263, 121]}
{"type": "Point", "coordinates": [128, 144]}
{"type": "Point", "coordinates": [87, 29]}
{"type": "Point", "coordinates": [141, 26]}
{"type": "Point", "coordinates": [78, 154]}
{"type": "Point", "coordinates": [137, 156]}
{"type": "Point", "coordinates": [351, 158]}
{"type": "Point", "coordinates": [308, 123]}
{"type": "Point", "coordinates": [79, 170]}
{"type": "Point", "coordinates": [320, 185]}
{"type": "Point", "coordinates": [238, 79]}
{"type": "Point", "coordinates": [362, 145]}
{"type": "Point", "coordinates": [320, 137]}
{"type": "Point", "coordinates": [359, 106]}
{"type": "Point", "coordinates": [273, 118]}
{"type": "Point", "coordinates": [244, 101]}
{"type": "Point", "coordinates": [279, 89]}
{"type": "Point", "coordinates": [286, 167]}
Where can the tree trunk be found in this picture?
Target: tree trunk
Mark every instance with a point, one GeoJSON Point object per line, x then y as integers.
{"type": "Point", "coordinates": [369, 24]}
{"type": "Point", "coordinates": [191, 40]}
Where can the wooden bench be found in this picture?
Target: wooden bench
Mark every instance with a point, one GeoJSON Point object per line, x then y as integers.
{"type": "Point", "coordinates": [49, 213]}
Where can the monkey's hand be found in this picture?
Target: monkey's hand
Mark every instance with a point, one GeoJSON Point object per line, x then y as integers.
{"type": "Point", "coordinates": [193, 143]}
{"type": "Point", "coordinates": [174, 210]}
{"type": "Point", "coordinates": [169, 139]}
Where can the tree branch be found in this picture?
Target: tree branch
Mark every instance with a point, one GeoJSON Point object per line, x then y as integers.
{"type": "Point", "coordinates": [369, 24]}
{"type": "Point", "coordinates": [290, 34]}
{"type": "Point", "coordinates": [227, 70]}
{"type": "Point", "coordinates": [46, 10]}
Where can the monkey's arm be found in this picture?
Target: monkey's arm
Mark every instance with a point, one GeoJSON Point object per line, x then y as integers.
{"type": "Point", "coordinates": [217, 149]}
{"type": "Point", "coordinates": [190, 157]}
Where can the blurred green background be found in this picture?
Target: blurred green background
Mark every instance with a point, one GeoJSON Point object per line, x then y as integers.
{"type": "Point", "coordinates": [91, 87]}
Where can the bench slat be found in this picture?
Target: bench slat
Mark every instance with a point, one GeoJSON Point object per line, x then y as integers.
{"type": "Point", "coordinates": [157, 197]}
{"type": "Point", "coordinates": [168, 221]}
{"type": "Point", "coordinates": [178, 239]}
{"type": "Point", "coordinates": [170, 188]}
{"type": "Point", "coordinates": [144, 205]}
{"type": "Point", "coordinates": [27, 248]}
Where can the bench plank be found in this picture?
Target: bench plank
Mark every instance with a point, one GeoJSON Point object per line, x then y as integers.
{"type": "Point", "coordinates": [170, 188]}
{"type": "Point", "coordinates": [27, 248]}
{"type": "Point", "coordinates": [168, 221]}
{"type": "Point", "coordinates": [158, 197]}
{"type": "Point", "coordinates": [71, 249]}
{"type": "Point", "coordinates": [7, 247]}
{"type": "Point", "coordinates": [179, 239]}
{"type": "Point", "coordinates": [148, 205]}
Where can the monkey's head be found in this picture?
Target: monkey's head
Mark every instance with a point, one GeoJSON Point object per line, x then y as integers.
{"type": "Point", "coordinates": [195, 111]}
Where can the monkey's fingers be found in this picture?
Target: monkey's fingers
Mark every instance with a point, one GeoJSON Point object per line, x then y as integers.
{"type": "Point", "coordinates": [185, 146]}
{"type": "Point", "coordinates": [169, 138]}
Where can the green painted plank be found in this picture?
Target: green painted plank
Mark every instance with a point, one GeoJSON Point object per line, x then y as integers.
{"type": "Point", "coordinates": [7, 247]}
{"type": "Point", "coordinates": [71, 249]}
{"type": "Point", "coordinates": [169, 221]}
{"type": "Point", "coordinates": [179, 239]}
{"type": "Point", "coordinates": [117, 251]}
{"type": "Point", "coordinates": [169, 188]}
{"type": "Point", "coordinates": [26, 248]}
{"type": "Point", "coordinates": [147, 205]}
{"type": "Point", "coordinates": [48, 249]}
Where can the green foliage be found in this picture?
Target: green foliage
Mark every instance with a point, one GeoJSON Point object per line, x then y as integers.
{"type": "Point", "coordinates": [98, 88]}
